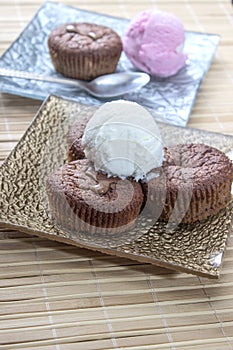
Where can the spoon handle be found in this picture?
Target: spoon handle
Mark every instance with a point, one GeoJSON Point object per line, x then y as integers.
{"type": "Point", "coordinates": [33, 76]}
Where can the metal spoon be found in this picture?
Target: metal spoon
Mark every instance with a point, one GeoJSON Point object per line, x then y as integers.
{"type": "Point", "coordinates": [109, 85]}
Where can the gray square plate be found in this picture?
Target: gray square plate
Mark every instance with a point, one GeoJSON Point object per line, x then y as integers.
{"type": "Point", "coordinates": [172, 97]}
{"type": "Point", "coordinates": [195, 248]}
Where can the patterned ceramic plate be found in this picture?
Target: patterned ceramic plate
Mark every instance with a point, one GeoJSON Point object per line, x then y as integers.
{"type": "Point", "coordinates": [196, 248]}
{"type": "Point", "coordinates": [172, 98]}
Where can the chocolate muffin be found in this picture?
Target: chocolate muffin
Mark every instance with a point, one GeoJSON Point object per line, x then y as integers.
{"type": "Point", "coordinates": [81, 199]}
{"type": "Point", "coordinates": [74, 139]}
{"type": "Point", "coordinates": [194, 183]}
{"type": "Point", "coordinates": [84, 50]}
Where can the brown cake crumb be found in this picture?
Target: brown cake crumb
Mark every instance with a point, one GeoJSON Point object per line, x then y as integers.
{"type": "Point", "coordinates": [74, 139]}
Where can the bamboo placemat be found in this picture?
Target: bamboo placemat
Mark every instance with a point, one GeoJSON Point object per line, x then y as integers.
{"type": "Point", "coordinates": [58, 297]}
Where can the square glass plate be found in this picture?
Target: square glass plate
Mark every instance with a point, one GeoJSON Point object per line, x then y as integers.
{"type": "Point", "coordinates": [195, 248]}
{"type": "Point", "coordinates": [172, 97]}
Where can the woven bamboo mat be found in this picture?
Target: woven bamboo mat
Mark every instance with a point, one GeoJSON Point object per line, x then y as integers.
{"type": "Point", "coordinates": [58, 297]}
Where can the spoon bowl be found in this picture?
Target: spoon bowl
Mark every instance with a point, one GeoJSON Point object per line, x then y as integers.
{"type": "Point", "coordinates": [116, 84]}
{"type": "Point", "coordinates": [104, 86]}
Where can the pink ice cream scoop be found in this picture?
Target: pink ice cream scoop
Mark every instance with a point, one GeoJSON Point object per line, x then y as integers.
{"type": "Point", "coordinates": [154, 43]}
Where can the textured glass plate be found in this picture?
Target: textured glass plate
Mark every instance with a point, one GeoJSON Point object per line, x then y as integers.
{"type": "Point", "coordinates": [172, 98]}
{"type": "Point", "coordinates": [196, 248]}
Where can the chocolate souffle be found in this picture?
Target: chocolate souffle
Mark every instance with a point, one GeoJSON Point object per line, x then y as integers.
{"type": "Point", "coordinates": [84, 50]}
{"type": "Point", "coordinates": [194, 183]}
{"type": "Point", "coordinates": [81, 199]}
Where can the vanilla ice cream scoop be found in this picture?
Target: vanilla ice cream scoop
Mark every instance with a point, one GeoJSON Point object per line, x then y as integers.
{"type": "Point", "coordinates": [154, 43]}
{"type": "Point", "coordinates": [122, 139]}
